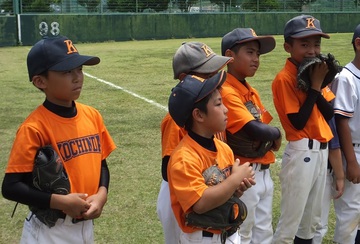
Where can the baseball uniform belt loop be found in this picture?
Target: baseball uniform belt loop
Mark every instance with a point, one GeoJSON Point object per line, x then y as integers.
{"type": "Point", "coordinates": [323, 145]}
{"type": "Point", "coordinates": [207, 234]}
{"type": "Point", "coordinates": [259, 166]}
{"type": "Point", "coordinates": [356, 144]}
{"type": "Point", "coordinates": [74, 221]}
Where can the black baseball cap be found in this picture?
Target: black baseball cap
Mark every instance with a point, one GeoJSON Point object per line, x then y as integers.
{"type": "Point", "coordinates": [242, 35]}
{"type": "Point", "coordinates": [56, 54]}
{"type": "Point", "coordinates": [197, 57]}
{"type": "Point", "coordinates": [303, 26]}
{"type": "Point", "coordinates": [356, 33]}
{"type": "Point", "coordinates": [189, 91]}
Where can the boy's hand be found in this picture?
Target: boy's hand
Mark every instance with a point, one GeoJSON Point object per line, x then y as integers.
{"type": "Point", "coordinates": [277, 144]}
{"type": "Point", "coordinates": [243, 170]}
{"type": "Point", "coordinates": [353, 172]}
{"type": "Point", "coordinates": [318, 72]}
{"type": "Point", "coordinates": [246, 173]}
{"type": "Point", "coordinates": [97, 202]}
{"type": "Point", "coordinates": [73, 204]}
{"type": "Point", "coordinates": [339, 187]}
{"type": "Point", "coordinates": [244, 185]}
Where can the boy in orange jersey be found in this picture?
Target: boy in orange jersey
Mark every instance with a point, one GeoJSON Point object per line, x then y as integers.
{"type": "Point", "coordinates": [304, 117]}
{"type": "Point", "coordinates": [78, 134]}
{"type": "Point", "coordinates": [196, 104]}
{"type": "Point", "coordinates": [190, 58]}
{"type": "Point", "coordinates": [248, 115]}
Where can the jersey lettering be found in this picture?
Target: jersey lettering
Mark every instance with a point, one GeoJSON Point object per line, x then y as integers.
{"type": "Point", "coordinates": [310, 23]}
{"type": "Point", "coordinates": [79, 146]}
{"type": "Point", "coordinates": [70, 46]}
{"type": "Point", "coordinates": [207, 50]}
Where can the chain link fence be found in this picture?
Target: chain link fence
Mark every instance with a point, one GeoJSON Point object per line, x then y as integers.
{"type": "Point", "coordinates": [9, 7]}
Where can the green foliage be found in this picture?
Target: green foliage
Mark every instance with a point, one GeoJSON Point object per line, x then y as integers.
{"type": "Point", "coordinates": [137, 5]}
{"type": "Point", "coordinates": [298, 5]}
{"type": "Point", "coordinates": [185, 5]}
{"type": "Point", "coordinates": [29, 6]}
{"type": "Point", "coordinates": [7, 6]}
{"type": "Point", "coordinates": [263, 6]}
{"type": "Point", "coordinates": [227, 3]}
{"type": "Point", "coordinates": [121, 5]}
{"type": "Point", "coordinates": [90, 5]}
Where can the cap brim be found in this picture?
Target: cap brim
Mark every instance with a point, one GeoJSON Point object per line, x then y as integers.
{"type": "Point", "coordinates": [214, 64]}
{"type": "Point", "coordinates": [211, 84]}
{"type": "Point", "coordinates": [75, 61]}
{"type": "Point", "coordinates": [310, 33]}
{"type": "Point", "coordinates": [267, 43]}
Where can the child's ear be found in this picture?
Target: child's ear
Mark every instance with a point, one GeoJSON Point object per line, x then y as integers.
{"type": "Point", "coordinates": [197, 115]}
{"type": "Point", "coordinates": [39, 81]}
{"type": "Point", "coordinates": [357, 42]}
{"type": "Point", "coordinates": [287, 47]}
{"type": "Point", "coordinates": [228, 53]}
{"type": "Point", "coordinates": [182, 76]}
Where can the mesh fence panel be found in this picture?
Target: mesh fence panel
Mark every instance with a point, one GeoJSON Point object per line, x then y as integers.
{"type": "Point", "coordinates": [175, 6]}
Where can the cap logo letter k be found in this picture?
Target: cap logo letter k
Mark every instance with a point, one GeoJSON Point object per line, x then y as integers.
{"type": "Point", "coordinates": [207, 50]}
{"type": "Point", "coordinates": [70, 47]}
{"type": "Point", "coordinates": [310, 23]}
{"type": "Point", "coordinates": [253, 32]}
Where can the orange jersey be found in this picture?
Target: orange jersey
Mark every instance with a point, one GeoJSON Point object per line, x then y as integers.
{"type": "Point", "coordinates": [171, 135]}
{"type": "Point", "coordinates": [288, 99]}
{"type": "Point", "coordinates": [82, 142]}
{"type": "Point", "coordinates": [186, 182]}
{"type": "Point", "coordinates": [235, 96]}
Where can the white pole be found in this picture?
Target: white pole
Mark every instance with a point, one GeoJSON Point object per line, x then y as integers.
{"type": "Point", "coordinates": [19, 28]}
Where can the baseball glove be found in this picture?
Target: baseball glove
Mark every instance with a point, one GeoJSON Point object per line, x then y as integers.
{"type": "Point", "coordinates": [303, 76]}
{"type": "Point", "coordinates": [242, 145]}
{"type": "Point", "coordinates": [49, 176]}
{"type": "Point", "coordinates": [227, 217]}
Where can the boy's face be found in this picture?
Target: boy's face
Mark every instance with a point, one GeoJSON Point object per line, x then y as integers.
{"type": "Point", "coordinates": [301, 48]}
{"type": "Point", "coordinates": [216, 118]}
{"type": "Point", "coordinates": [62, 88]}
{"type": "Point", "coordinates": [246, 60]}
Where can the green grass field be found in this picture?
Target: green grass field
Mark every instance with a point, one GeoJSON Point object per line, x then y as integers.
{"type": "Point", "coordinates": [140, 68]}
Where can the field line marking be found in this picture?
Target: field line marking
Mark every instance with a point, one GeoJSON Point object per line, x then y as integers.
{"type": "Point", "coordinates": [127, 91]}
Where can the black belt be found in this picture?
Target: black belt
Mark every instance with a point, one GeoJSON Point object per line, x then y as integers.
{"type": "Point", "coordinates": [323, 145]}
{"type": "Point", "coordinates": [207, 234]}
{"type": "Point", "coordinates": [262, 166]}
{"type": "Point", "coordinates": [229, 232]}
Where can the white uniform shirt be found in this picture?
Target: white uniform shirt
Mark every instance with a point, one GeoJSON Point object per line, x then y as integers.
{"type": "Point", "coordinates": [346, 87]}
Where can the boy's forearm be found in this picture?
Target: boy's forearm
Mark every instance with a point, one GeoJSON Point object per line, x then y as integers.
{"type": "Point", "coordinates": [299, 119]}
{"type": "Point", "coordinates": [217, 195]}
{"type": "Point", "coordinates": [336, 163]}
{"type": "Point", "coordinates": [325, 108]}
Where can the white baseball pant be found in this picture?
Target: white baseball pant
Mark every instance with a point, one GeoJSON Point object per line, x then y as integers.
{"type": "Point", "coordinates": [302, 178]}
{"type": "Point", "coordinates": [166, 215]}
{"type": "Point", "coordinates": [257, 227]}
{"type": "Point", "coordinates": [322, 228]}
{"type": "Point", "coordinates": [64, 231]}
{"type": "Point", "coordinates": [347, 208]}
